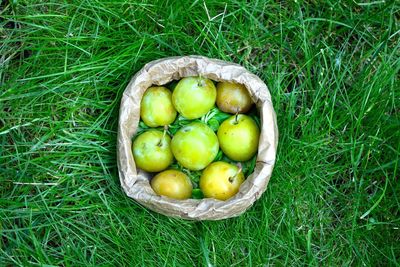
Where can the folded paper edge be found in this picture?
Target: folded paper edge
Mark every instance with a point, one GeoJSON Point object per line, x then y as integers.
{"type": "Point", "coordinates": [205, 209]}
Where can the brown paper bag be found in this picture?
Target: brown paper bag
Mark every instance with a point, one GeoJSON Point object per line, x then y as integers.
{"type": "Point", "coordinates": [135, 182]}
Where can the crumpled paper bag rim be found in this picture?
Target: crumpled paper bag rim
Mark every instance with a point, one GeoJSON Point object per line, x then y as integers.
{"type": "Point", "coordinates": [135, 182]}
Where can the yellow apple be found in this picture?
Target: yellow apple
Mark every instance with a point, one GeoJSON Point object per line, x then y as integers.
{"type": "Point", "coordinates": [221, 180]}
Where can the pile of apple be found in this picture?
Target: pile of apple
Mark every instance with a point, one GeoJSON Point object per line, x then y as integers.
{"type": "Point", "coordinates": [181, 124]}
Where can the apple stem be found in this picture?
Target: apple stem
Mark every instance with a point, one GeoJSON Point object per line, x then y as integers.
{"type": "Point", "coordinates": [231, 179]}
{"type": "Point", "coordinates": [236, 118]}
{"type": "Point", "coordinates": [164, 133]}
{"type": "Point", "coordinates": [239, 171]}
{"type": "Point", "coordinates": [201, 82]}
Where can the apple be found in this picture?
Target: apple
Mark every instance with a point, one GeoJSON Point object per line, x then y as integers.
{"type": "Point", "coordinates": [194, 96]}
{"type": "Point", "coordinates": [195, 146]}
{"type": "Point", "coordinates": [221, 180]}
{"type": "Point", "coordinates": [156, 108]}
{"type": "Point", "coordinates": [152, 151]}
{"type": "Point", "coordinates": [233, 98]}
{"type": "Point", "coordinates": [173, 184]}
{"type": "Point", "coordinates": [238, 137]}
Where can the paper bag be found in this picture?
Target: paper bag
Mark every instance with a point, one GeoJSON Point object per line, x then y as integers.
{"type": "Point", "coordinates": [135, 182]}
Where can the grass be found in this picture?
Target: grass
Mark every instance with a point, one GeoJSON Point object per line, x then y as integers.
{"type": "Point", "coordinates": [332, 69]}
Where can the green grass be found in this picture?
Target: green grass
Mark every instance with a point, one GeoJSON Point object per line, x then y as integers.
{"type": "Point", "coordinates": [333, 72]}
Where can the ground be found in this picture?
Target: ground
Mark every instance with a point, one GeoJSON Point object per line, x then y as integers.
{"type": "Point", "coordinates": [332, 68]}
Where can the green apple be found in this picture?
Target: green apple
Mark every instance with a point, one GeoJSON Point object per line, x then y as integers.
{"type": "Point", "coordinates": [173, 184]}
{"type": "Point", "coordinates": [195, 146]}
{"type": "Point", "coordinates": [194, 96]}
{"type": "Point", "coordinates": [221, 180]}
{"type": "Point", "coordinates": [238, 137]}
{"type": "Point", "coordinates": [233, 98]}
{"type": "Point", "coordinates": [156, 108]}
{"type": "Point", "coordinates": [152, 151]}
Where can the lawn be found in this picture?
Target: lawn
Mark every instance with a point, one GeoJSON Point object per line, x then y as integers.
{"type": "Point", "coordinates": [333, 72]}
